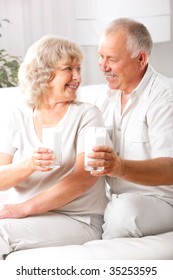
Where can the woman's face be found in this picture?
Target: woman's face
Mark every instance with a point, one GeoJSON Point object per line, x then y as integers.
{"type": "Point", "coordinates": [65, 82]}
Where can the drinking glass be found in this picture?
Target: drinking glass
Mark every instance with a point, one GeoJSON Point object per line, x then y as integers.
{"type": "Point", "coordinates": [94, 136]}
{"type": "Point", "coordinates": [52, 139]}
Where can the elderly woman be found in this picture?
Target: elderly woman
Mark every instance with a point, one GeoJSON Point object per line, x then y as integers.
{"type": "Point", "coordinates": [49, 207]}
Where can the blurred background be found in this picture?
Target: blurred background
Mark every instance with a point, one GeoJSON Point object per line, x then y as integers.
{"type": "Point", "coordinates": [22, 22]}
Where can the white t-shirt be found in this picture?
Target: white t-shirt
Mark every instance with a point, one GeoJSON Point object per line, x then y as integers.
{"type": "Point", "coordinates": [19, 138]}
{"type": "Point", "coordinates": [144, 130]}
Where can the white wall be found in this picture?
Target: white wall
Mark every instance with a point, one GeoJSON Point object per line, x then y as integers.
{"type": "Point", "coordinates": [30, 19]}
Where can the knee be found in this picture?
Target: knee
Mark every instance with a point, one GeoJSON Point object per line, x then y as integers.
{"type": "Point", "coordinates": [121, 217]}
{"type": "Point", "coordinates": [122, 207]}
{"type": "Point", "coordinates": [135, 215]}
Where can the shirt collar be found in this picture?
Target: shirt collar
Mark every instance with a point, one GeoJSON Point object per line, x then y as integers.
{"type": "Point", "coordinates": [146, 80]}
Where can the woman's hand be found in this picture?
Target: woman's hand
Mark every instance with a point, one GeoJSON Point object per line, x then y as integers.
{"type": "Point", "coordinates": [13, 173]}
{"type": "Point", "coordinates": [42, 159]}
{"type": "Point", "coordinates": [13, 211]}
{"type": "Point", "coordinates": [105, 157]}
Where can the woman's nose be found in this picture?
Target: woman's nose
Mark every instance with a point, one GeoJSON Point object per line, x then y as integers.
{"type": "Point", "coordinates": [76, 75]}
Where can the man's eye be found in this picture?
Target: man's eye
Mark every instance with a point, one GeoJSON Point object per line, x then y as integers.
{"type": "Point", "coordinates": [100, 57]}
{"type": "Point", "coordinates": [111, 59]}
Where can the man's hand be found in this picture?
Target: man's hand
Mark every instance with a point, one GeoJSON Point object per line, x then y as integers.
{"type": "Point", "coordinates": [106, 157]}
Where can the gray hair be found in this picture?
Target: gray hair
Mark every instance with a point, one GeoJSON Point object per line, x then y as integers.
{"type": "Point", "coordinates": [41, 61]}
{"type": "Point", "coordinates": [139, 38]}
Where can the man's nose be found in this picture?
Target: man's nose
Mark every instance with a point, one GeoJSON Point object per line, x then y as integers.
{"type": "Point", "coordinates": [104, 65]}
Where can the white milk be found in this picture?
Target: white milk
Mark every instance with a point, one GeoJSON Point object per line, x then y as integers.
{"type": "Point", "coordinates": [52, 139]}
{"type": "Point", "coordinates": [94, 136]}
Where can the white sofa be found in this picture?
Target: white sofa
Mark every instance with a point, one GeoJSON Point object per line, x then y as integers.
{"type": "Point", "coordinates": [159, 247]}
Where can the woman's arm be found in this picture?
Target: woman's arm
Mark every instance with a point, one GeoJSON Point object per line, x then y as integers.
{"type": "Point", "coordinates": [70, 188]}
{"type": "Point", "coordinates": [12, 174]}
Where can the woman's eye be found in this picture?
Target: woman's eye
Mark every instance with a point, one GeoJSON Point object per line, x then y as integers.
{"type": "Point", "coordinates": [69, 68]}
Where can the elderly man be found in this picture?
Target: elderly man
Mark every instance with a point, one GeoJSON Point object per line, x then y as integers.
{"type": "Point", "coordinates": [139, 107]}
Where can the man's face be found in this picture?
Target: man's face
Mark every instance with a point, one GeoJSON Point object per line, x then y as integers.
{"type": "Point", "coordinates": [121, 71]}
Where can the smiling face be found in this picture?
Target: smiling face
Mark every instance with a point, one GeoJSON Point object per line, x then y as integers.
{"type": "Point", "coordinates": [50, 72]}
{"type": "Point", "coordinates": [121, 70]}
{"type": "Point", "coordinates": [64, 83]}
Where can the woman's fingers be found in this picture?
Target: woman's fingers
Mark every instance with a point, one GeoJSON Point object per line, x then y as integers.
{"type": "Point", "coordinates": [43, 158]}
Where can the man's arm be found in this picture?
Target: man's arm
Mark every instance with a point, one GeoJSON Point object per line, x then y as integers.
{"type": "Point", "coordinates": [153, 172]}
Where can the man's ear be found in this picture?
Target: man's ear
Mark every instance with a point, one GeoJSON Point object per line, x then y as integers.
{"type": "Point", "coordinates": [142, 57]}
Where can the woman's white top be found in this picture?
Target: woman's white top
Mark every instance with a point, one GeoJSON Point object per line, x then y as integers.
{"type": "Point", "coordinates": [19, 139]}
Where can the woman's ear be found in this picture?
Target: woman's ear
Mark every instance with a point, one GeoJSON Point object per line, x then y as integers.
{"type": "Point", "coordinates": [51, 78]}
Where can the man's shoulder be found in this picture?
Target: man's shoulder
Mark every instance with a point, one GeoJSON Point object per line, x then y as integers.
{"type": "Point", "coordinates": [163, 87]}
{"type": "Point", "coordinates": [160, 79]}
{"type": "Point", "coordinates": [158, 86]}
{"type": "Point", "coordinates": [164, 81]}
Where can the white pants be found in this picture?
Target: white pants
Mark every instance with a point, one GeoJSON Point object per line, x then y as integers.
{"type": "Point", "coordinates": [136, 215]}
{"type": "Point", "coordinates": [50, 229]}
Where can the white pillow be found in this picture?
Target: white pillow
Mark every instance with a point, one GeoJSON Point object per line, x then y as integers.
{"type": "Point", "coordinates": [91, 93]}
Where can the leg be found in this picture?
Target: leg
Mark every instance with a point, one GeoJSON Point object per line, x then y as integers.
{"type": "Point", "coordinates": [136, 215]}
{"type": "Point", "coordinates": [50, 229]}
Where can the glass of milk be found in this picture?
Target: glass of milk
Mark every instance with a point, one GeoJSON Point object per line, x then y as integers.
{"type": "Point", "coordinates": [52, 139]}
{"type": "Point", "coordinates": [94, 136]}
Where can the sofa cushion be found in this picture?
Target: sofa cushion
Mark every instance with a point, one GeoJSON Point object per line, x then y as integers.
{"type": "Point", "coordinates": [159, 247]}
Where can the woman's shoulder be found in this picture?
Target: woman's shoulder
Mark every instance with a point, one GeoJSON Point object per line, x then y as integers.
{"type": "Point", "coordinates": [19, 114]}
{"type": "Point", "coordinates": [84, 110]}
{"type": "Point", "coordinates": [85, 106]}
